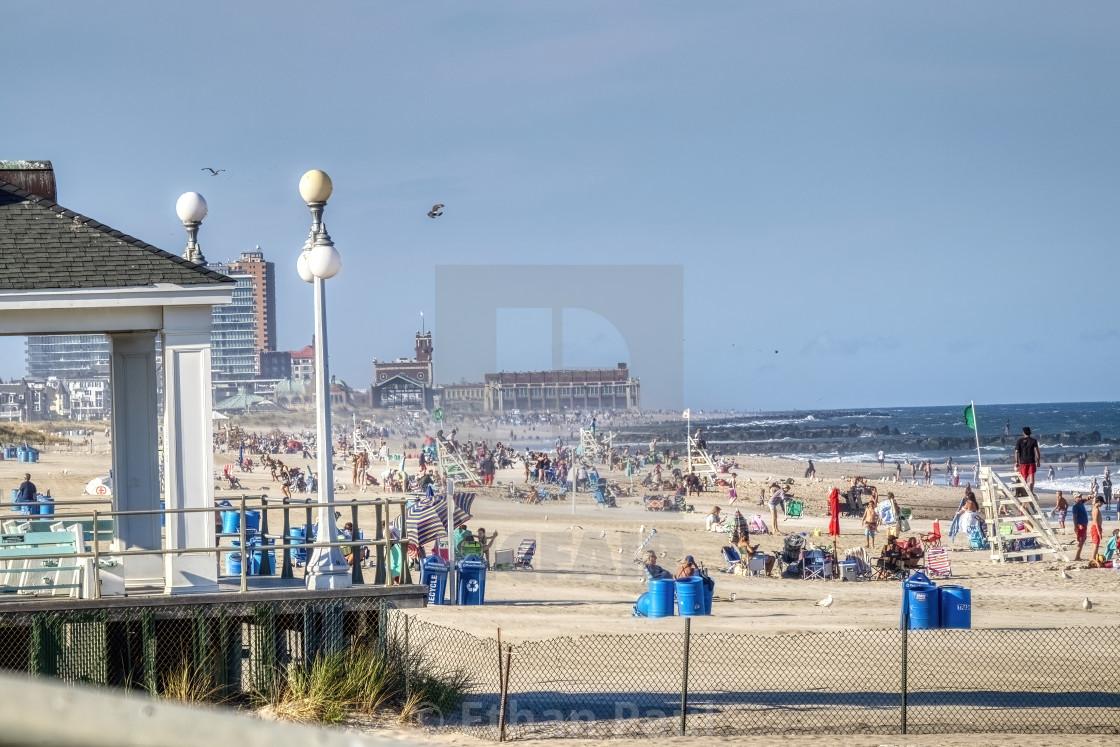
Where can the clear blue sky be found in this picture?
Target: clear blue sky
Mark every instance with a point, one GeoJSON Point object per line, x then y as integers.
{"type": "Point", "coordinates": [913, 203]}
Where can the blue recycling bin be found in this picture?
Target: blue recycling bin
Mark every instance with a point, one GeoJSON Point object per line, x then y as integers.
{"type": "Point", "coordinates": [18, 507]}
{"type": "Point", "coordinates": [21, 453]}
{"type": "Point", "coordinates": [433, 574]}
{"type": "Point", "coordinates": [32, 455]}
{"type": "Point", "coordinates": [920, 602]}
{"type": "Point", "coordinates": [46, 505]}
{"type": "Point", "coordinates": [690, 596]}
{"type": "Point", "coordinates": [472, 580]}
{"type": "Point", "coordinates": [956, 607]}
{"type": "Point", "coordinates": [661, 593]}
{"type": "Point", "coordinates": [231, 522]}
{"type": "Point", "coordinates": [10, 452]}
{"type": "Point", "coordinates": [297, 536]}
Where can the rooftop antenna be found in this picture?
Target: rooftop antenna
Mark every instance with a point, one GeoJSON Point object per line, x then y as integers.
{"type": "Point", "coordinates": [421, 322]}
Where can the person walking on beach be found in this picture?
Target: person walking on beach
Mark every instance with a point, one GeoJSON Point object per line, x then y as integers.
{"type": "Point", "coordinates": [1106, 489]}
{"type": "Point", "coordinates": [897, 471]}
{"type": "Point", "coordinates": [1050, 474]}
{"type": "Point", "coordinates": [1081, 459]}
{"type": "Point", "coordinates": [810, 471]}
{"type": "Point", "coordinates": [927, 472]}
{"type": "Point", "coordinates": [882, 458]}
{"type": "Point", "coordinates": [777, 498]}
{"type": "Point", "coordinates": [1061, 510]}
{"type": "Point", "coordinates": [1080, 522]}
{"type": "Point", "coordinates": [870, 522]}
{"type": "Point", "coordinates": [1027, 457]}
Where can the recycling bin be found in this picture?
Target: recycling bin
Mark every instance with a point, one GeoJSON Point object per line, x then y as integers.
{"type": "Point", "coordinates": [471, 581]}
{"type": "Point", "coordinates": [433, 574]}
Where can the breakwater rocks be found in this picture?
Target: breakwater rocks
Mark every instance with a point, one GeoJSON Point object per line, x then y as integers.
{"type": "Point", "coordinates": [788, 438]}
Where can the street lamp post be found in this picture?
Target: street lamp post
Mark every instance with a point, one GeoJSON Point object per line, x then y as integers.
{"type": "Point", "coordinates": [191, 209]}
{"type": "Point", "coordinates": [319, 260]}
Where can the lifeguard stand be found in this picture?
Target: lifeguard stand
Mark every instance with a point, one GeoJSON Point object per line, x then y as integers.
{"type": "Point", "coordinates": [1022, 503]}
{"type": "Point", "coordinates": [592, 447]}
{"type": "Point", "coordinates": [700, 461]}
{"type": "Point", "coordinates": [454, 466]}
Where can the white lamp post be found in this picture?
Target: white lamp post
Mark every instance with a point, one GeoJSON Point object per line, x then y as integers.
{"type": "Point", "coordinates": [319, 260]}
{"type": "Point", "coordinates": [191, 209]}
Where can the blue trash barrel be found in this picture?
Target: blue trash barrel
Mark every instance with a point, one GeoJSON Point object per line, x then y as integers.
{"type": "Point", "coordinates": [472, 580]}
{"type": "Point", "coordinates": [690, 596]}
{"type": "Point", "coordinates": [233, 564]}
{"type": "Point", "coordinates": [15, 494]}
{"type": "Point", "coordinates": [21, 453]}
{"type": "Point", "coordinates": [32, 455]}
{"type": "Point", "coordinates": [641, 607]}
{"type": "Point", "coordinates": [297, 536]}
{"type": "Point", "coordinates": [919, 598]}
{"type": "Point", "coordinates": [956, 607]}
{"type": "Point", "coordinates": [661, 597]}
{"type": "Point", "coordinates": [709, 592]}
{"type": "Point", "coordinates": [46, 505]}
{"type": "Point", "coordinates": [256, 557]}
{"type": "Point", "coordinates": [11, 452]}
{"type": "Point", "coordinates": [231, 522]}
{"type": "Point", "coordinates": [433, 574]}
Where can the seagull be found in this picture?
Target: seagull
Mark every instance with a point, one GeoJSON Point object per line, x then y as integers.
{"type": "Point", "coordinates": [213, 172]}
{"type": "Point", "coordinates": [827, 602]}
{"type": "Point", "coordinates": [1066, 576]}
{"type": "Point", "coordinates": [1086, 605]}
{"type": "Point", "coordinates": [602, 533]}
{"type": "Point", "coordinates": [436, 211]}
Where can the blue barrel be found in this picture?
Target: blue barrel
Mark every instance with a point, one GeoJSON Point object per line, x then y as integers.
{"type": "Point", "coordinates": [641, 608]}
{"type": "Point", "coordinates": [690, 596]}
{"type": "Point", "coordinates": [233, 564]}
{"type": "Point", "coordinates": [46, 505]}
{"type": "Point", "coordinates": [297, 536]}
{"type": "Point", "coordinates": [11, 452]}
{"type": "Point", "coordinates": [920, 601]}
{"type": "Point", "coordinates": [15, 494]}
{"type": "Point", "coordinates": [32, 455]}
{"type": "Point", "coordinates": [21, 453]}
{"type": "Point", "coordinates": [956, 607]}
{"type": "Point", "coordinates": [661, 597]}
{"type": "Point", "coordinates": [709, 592]}
{"type": "Point", "coordinates": [433, 574]}
{"type": "Point", "coordinates": [231, 522]}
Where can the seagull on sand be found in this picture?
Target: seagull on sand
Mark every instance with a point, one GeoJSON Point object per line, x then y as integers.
{"type": "Point", "coordinates": [436, 211]}
{"type": "Point", "coordinates": [1066, 576]}
{"type": "Point", "coordinates": [827, 602]}
{"type": "Point", "coordinates": [1086, 605]}
{"type": "Point", "coordinates": [213, 172]}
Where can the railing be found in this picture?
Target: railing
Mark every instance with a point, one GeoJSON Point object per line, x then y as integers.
{"type": "Point", "coordinates": [383, 545]}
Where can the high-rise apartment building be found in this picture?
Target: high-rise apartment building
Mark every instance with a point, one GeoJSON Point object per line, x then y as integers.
{"type": "Point", "coordinates": [67, 356]}
{"type": "Point", "coordinates": [264, 296]}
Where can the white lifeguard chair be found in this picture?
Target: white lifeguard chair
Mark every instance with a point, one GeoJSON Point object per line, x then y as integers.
{"type": "Point", "coordinates": [1024, 511]}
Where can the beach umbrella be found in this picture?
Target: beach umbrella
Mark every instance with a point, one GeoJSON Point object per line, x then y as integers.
{"type": "Point", "coordinates": [834, 519]}
{"type": "Point", "coordinates": [423, 522]}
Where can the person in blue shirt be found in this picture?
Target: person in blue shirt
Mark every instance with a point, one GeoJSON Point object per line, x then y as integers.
{"type": "Point", "coordinates": [1080, 523]}
{"type": "Point", "coordinates": [27, 490]}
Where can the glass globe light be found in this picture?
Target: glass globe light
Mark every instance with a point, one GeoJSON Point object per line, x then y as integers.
{"type": "Point", "coordinates": [324, 260]}
{"type": "Point", "coordinates": [303, 268]}
{"type": "Point", "coordinates": [315, 186]}
{"type": "Point", "coordinates": [191, 207]}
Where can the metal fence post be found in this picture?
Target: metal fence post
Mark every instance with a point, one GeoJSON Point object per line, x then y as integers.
{"type": "Point", "coordinates": [503, 707]}
{"type": "Point", "coordinates": [356, 569]}
{"type": "Point", "coordinates": [905, 639]}
{"type": "Point", "coordinates": [244, 555]}
{"type": "Point", "coordinates": [684, 674]}
{"type": "Point", "coordinates": [96, 580]}
{"type": "Point", "coordinates": [286, 567]}
{"type": "Point", "coordinates": [266, 556]}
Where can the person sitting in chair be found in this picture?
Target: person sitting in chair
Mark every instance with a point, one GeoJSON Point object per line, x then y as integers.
{"type": "Point", "coordinates": [742, 539]}
{"type": "Point", "coordinates": [892, 557]}
{"type": "Point", "coordinates": [687, 568]}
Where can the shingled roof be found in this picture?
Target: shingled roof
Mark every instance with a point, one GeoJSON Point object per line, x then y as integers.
{"type": "Point", "coordinates": [43, 245]}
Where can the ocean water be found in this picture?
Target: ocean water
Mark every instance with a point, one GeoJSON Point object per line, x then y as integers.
{"type": "Point", "coordinates": [1063, 430]}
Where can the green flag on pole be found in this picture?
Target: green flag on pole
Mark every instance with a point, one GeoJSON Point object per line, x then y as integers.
{"type": "Point", "coordinates": [437, 415]}
{"type": "Point", "coordinates": [970, 417]}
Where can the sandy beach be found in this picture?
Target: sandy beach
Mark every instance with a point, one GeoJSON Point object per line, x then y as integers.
{"type": "Point", "coordinates": [585, 581]}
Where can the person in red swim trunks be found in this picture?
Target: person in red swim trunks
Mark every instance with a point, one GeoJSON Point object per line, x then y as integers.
{"type": "Point", "coordinates": [1095, 528]}
{"type": "Point", "coordinates": [1027, 457]}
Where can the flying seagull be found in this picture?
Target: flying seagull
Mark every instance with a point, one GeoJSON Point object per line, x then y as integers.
{"type": "Point", "coordinates": [213, 172]}
{"type": "Point", "coordinates": [826, 602]}
{"type": "Point", "coordinates": [436, 211]}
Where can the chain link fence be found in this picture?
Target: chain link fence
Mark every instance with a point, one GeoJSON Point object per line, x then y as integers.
{"type": "Point", "coordinates": [879, 681]}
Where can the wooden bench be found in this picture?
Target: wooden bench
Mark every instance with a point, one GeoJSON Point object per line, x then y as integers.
{"type": "Point", "coordinates": [37, 563]}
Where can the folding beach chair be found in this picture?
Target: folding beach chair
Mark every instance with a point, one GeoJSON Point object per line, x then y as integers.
{"type": "Point", "coordinates": [812, 564]}
{"type": "Point", "coordinates": [794, 509]}
{"type": "Point", "coordinates": [853, 503]}
{"type": "Point", "coordinates": [932, 539]}
{"type": "Point", "coordinates": [523, 558]}
{"type": "Point", "coordinates": [733, 558]}
{"type": "Point", "coordinates": [976, 539]}
{"type": "Point", "coordinates": [758, 525]}
{"type": "Point", "coordinates": [937, 562]}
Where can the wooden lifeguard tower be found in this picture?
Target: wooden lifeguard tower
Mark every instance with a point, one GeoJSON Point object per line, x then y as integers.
{"type": "Point", "coordinates": [1013, 513]}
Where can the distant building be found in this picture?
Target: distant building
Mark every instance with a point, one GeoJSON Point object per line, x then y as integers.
{"type": "Point", "coordinates": [263, 274]}
{"type": "Point", "coordinates": [554, 391]}
{"type": "Point", "coordinates": [67, 356]}
{"type": "Point", "coordinates": [303, 363]}
{"type": "Point", "coordinates": [275, 365]}
{"type": "Point", "coordinates": [405, 383]}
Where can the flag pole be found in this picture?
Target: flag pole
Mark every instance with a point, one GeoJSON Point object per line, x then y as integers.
{"type": "Point", "coordinates": [688, 437]}
{"type": "Point", "coordinates": [976, 432]}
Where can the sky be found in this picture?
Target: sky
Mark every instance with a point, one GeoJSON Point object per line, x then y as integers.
{"type": "Point", "coordinates": [874, 203]}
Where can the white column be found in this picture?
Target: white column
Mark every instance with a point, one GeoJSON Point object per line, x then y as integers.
{"type": "Point", "coordinates": [135, 442]}
{"type": "Point", "coordinates": [188, 448]}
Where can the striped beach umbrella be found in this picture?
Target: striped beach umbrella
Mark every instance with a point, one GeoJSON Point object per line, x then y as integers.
{"type": "Point", "coordinates": [425, 525]}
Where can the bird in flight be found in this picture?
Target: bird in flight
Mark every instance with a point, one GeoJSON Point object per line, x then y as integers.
{"type": "Point", "coordinates": [436, 211]}
{"type": "Point", "coordinates": [213, 172]}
